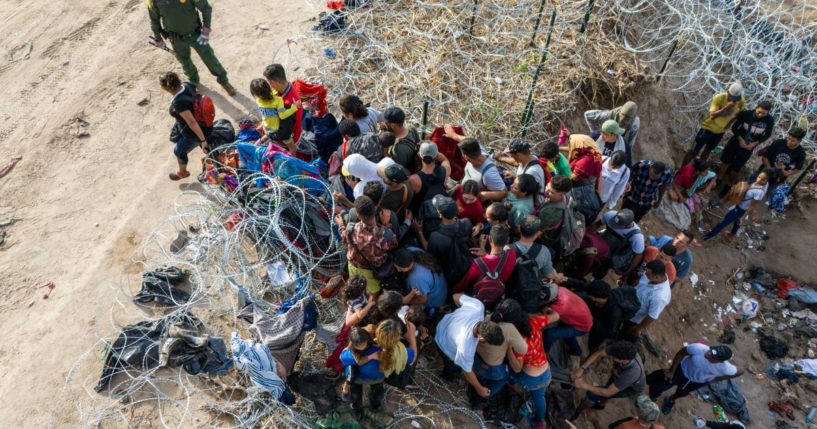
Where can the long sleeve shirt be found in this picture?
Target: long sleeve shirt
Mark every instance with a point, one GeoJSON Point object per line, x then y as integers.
{"type": "Point", "coordinates": [179, 17]}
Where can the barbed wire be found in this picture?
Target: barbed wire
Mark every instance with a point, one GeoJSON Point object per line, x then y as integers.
{"type": "Point", "coordinates": [475, 64]}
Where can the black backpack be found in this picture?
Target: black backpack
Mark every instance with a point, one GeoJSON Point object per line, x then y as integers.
{"type": "Point", "coordinates": [458, 260]}
{"type": "Point", "coordinates": [587, 201]}
{"type": "Point", "coordinates": [628, 301]}
{"type": "Point", "coordinates": [621, 250]}
{"type": "Point", "coordinates": [525, 284]}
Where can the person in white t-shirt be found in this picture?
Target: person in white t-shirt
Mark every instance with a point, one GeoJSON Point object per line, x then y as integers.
{"type": "Point", "coordinates": [755, 193]}
{"type": "Point", "coordinates": [458, 335]}
{"type": "Point", "coordinates": [481, 169]}
{"type": "Point", "coordinates": [692, 367]}
{"type": "Point", "coordinates": [654, 294]}
{"type": "Point", "coordinates": [366, 171]}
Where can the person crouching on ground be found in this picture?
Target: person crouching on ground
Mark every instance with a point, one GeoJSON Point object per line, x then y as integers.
{"type": "Point", "coordinates": [627, 378]}
{"type": "Point", "coordinates": [755, 193]}
{"type": "Point", "coordinates": [187, 132]}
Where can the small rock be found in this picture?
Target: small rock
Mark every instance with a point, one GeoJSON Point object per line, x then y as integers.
{"type": "Point", "coordinates": [96, 224]}
{"type": "Point", "coordinates": [65, 63]}
{"type": "Point", "coordinates": [143, 102]}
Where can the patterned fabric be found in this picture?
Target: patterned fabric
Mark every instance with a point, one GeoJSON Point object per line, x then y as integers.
{"type": "Point", "coordinates": [257, 359]}
{"type": "Point", "coordinates": [283, 333]}
{"type": "Point", "coordinates": [367, 245]}
{"type": "Point", "coordinates": [645, 191]}
{"type": "Point", "coordinates": [536, 349]}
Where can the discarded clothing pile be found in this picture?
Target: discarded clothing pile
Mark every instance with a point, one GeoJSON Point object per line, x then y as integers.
{"type": "Point", "coordinates": [282, 333]}
{"type": "Point", "coordinates": [162, 286]}
{"type": "Point", "coordinates": [257, 359]}
{"type": "Point", "coordinates": [728, 394]}
{"type": "Point", "coordinates": [774, 348]}
{"type": "Point", "coordinates": [172, 341]}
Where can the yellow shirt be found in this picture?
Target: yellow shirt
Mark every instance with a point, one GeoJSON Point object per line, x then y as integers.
{"type": "Point", "coordinates": [273, 111]}
{"type": "Point", "coordinates": [718, 125]}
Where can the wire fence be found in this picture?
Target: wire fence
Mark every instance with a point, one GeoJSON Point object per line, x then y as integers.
{"type": "Point", "coordinates": [501, 68]}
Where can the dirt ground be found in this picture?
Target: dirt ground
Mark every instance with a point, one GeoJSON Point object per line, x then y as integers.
{"type": "Point", "coordinates": [84, 111]}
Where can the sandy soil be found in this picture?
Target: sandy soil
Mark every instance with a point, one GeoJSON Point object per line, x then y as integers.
{"type": "Point", "coordinates": [84, 110]}
{"type": "Point", "coordinates": [83, 107]}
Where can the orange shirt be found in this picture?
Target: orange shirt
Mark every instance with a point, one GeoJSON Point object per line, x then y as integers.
{"type": "Point", "coordinates": [633, 424]}
{"type": "Point", "coordinates": [651, 252]}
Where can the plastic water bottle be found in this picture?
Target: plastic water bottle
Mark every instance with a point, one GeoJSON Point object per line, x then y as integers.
{"type": "Point", "coordinates": [811, 413]}
{"type": "Point", "coordinates": [720, 414]}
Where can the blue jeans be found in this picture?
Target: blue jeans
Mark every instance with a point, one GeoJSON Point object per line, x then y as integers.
{"type": "Point", "coordinates": [184, 146]}
{"type": "Point", "coordinates": [563, 332]}
{"type": "Point", "coordinates": [537, 386]}
{"type": "Point", "coordinates": [732, 216]}
{"type": "Point", "coordinates": [493, 377]}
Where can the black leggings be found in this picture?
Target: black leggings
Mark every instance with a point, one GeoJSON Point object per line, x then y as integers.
{"type": "Point", "coordinates": [658, 384]}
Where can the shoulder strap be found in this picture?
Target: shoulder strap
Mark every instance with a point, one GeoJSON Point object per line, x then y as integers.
{"type": "Point", "coordinates": [533, 252]}
{"type": "Point", "coordinates": [632, 233]}
{"type": "Point", "coordinates": [535, 162]}
{"type": "Point", "coordinates": [501, 264]}
{"type": "Point", "coordinates": [483, 169]}
{"type": "Point", "coordinates": [483, 269]}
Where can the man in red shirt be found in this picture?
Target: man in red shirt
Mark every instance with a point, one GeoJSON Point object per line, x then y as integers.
{"type": "Point", "coordinates": [277, 78]}
{"type": "Point", "coordinates": [575, 319]}
{"type": "Point", "coordinates": [498, 238]}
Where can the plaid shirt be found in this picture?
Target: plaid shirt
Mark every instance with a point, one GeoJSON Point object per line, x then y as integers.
{"type": "Point", "coordinates": [644, 191]}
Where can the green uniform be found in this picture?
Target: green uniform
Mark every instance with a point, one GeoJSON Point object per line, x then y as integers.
{"type": "Point", "coordinates": [179, 22]}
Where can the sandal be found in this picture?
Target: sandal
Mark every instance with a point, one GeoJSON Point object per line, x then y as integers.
{"type": "Point", "coordinates": [176, 176]}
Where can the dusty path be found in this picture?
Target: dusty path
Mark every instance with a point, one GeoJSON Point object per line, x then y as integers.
{"type": "Point", "coordinates": [82, 106]}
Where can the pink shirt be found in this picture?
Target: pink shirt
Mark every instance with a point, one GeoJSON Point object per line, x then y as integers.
{"type": "Point", "coordinates": [572, 310]}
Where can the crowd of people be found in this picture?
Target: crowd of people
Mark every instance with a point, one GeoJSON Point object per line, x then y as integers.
{"type": "Point", "coordinates": [490, 259]}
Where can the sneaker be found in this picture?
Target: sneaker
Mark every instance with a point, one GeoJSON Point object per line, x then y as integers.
{"type": "Point", "coordinates": [666, 408]}
{"type": "Point", "coordinates": [229, 89]}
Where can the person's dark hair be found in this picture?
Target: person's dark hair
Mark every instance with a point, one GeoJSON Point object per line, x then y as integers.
{"type": "Point", "coordinates": [669, 249]}
{"type": "Point", "coordinates": [355, 288]}
{"type": "Point", "coordinates": [427, 260]}
{"type": "Point", "coordinates": [509, 311]}
{"type": "Point", "coordinates": [797, 132]}
{"type": "Point", "coordinates": [389, 303]}
{"type": "Point", "coordinates": [170, 80]}
{"type": "Point", "coordinates": [599, 289]}
{"type": "Point", "coordinates": [550, 150]}
{"type": "Point", "coordinates": [470, 187]}
{"type": "Point", "coordinates": [353, 105]}
{"type": "Point", "coordinates": [469, 147]}
{"type": "Point", "coordinates": [618, 158]}
{"type": "Point", "coordinates": [623, 350]}
{"type": "Point", "coordinates": [491, 332]}
{"type": "Point", "coordinates": [500, 234]}
{"type": "Point", "coordinates": [349, 129]}
{"type": "Point", "coordinates": [275, 72]}
{"type": "Point", "coordinates": [387, 139]}
{"type": "Point", "coordinates": [771, 173]}
{"type": "Point", "coordinates": [260, 88]}
{"type": "Point", "coordinates": [358, 335]}
{"type": "Point", "coordinates": [561, 183]}
{"type": "Point", "coordinates": [657, 267]}
{"type": "Point", "coordinates": [689, 234]}
{"type": "Point", "coordinates": [416, 315]}
{"type": "Point", "coordinates": [766, 105]}
{"type": "Point", "coordinates": [374, 189]}
{"type": "Point", "coordinates": [528, 184]}
{"type": "Point", "coordinates": [700, 165]}
{"type": "Point", "coordinates": [530, 226]}
{"type": "Point", "coordinates": [658, 167]}
{"type": "Point", "coordinates": [499, 212]}
{"type": "Point", "coordinates": [365, 207]}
